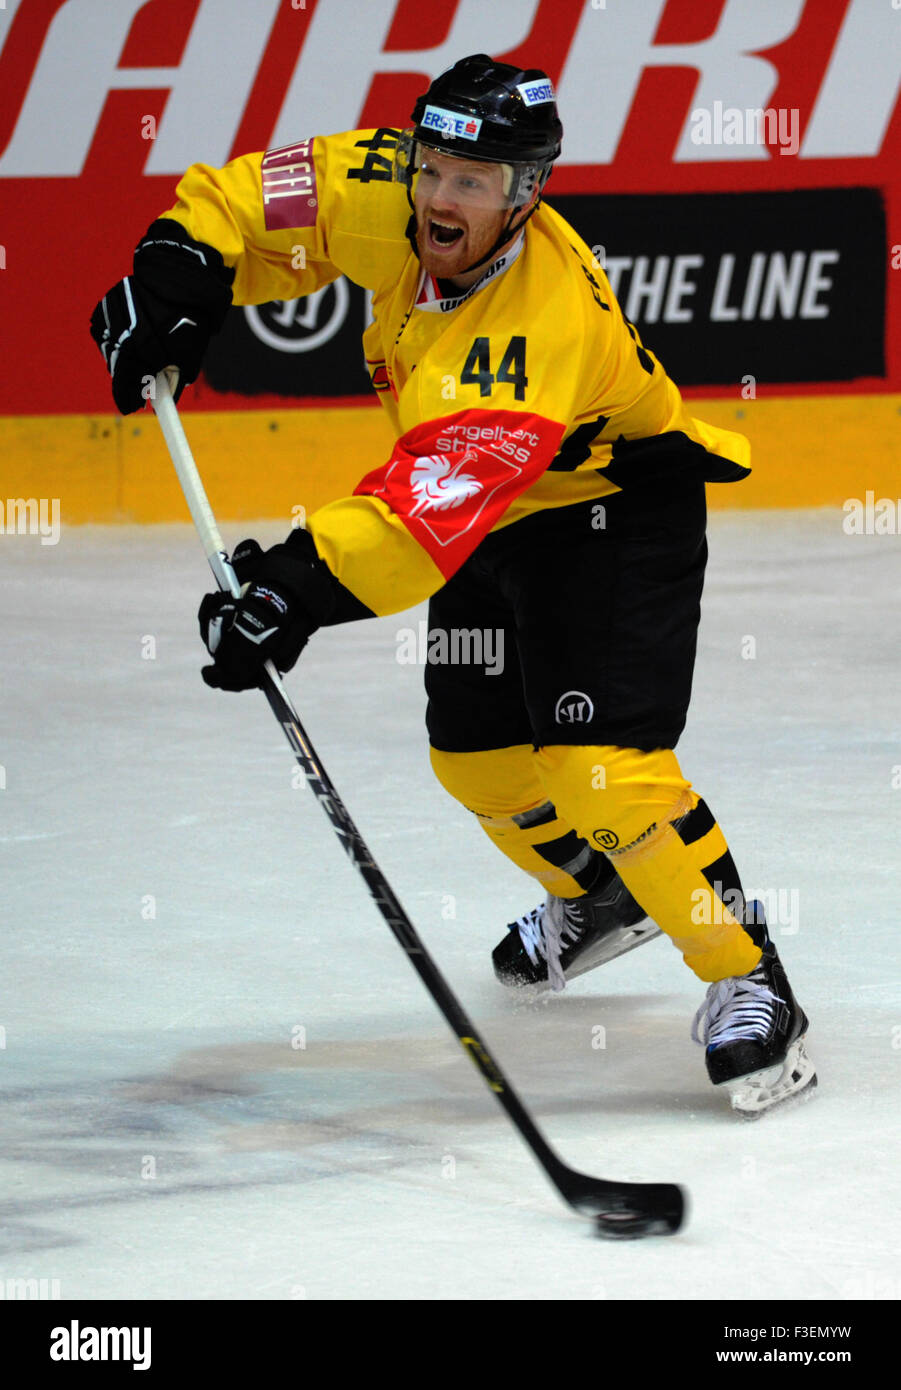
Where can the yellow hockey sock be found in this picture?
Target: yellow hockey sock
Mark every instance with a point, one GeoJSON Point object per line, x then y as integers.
{"type": "Point", "coordinates": [663, 842]}
{"type": "Point", "coordinates": [501, 788]}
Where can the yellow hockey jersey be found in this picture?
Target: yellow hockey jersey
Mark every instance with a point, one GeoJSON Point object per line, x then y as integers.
{"type": "Point", "coordinates": [529, 390]}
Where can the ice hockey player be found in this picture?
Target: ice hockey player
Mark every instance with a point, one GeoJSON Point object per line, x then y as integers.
{"type": "Point", "coordinates": [546, 483]}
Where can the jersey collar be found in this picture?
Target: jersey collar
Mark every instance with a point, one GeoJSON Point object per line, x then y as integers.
{"type": "Point", "coordinates": [429, 297]}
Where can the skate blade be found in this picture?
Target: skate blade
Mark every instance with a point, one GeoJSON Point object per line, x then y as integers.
{"type": "Point", "coordinates": [614, 944]}
{"type": "Point", "coordinates": [758, 1091]}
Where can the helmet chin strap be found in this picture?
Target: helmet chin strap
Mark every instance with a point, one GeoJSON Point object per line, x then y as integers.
{"type": "Point", "coordinates": [506, 233]}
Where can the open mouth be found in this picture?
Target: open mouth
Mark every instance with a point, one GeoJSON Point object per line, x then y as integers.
{"type": "Point", "coordinates": [443, 235]}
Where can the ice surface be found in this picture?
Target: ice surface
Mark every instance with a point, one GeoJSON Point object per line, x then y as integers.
{"type": "Point", "coordinates": [220, 1077]}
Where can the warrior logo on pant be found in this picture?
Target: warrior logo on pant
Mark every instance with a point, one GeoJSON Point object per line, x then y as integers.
{"type": "Point", "coordinates": [574, 708]}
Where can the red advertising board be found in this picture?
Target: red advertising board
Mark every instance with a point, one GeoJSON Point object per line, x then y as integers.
{"type": "Point", "coordinates": [103, 103]}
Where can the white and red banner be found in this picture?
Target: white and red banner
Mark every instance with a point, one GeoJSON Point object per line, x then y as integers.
{"type": "Point", "coordinates": [103, 103]}
{"type": "Point", "coordinates": [451, 498]}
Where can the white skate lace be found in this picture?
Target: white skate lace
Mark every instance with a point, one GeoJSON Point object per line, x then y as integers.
{"type": "Point", "coordinates": [542, 932]}
{"type": "Point", "coordinates": [735, 1008]}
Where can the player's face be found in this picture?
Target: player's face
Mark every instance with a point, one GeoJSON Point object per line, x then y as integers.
{"type": "Point", "coordinates": [460, 212]}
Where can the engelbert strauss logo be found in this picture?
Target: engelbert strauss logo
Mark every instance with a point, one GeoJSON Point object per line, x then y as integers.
{"type": "Point", "coordinates": [438, 485]}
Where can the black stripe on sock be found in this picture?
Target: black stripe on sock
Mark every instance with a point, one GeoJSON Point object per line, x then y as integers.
{"type": "Point", "coordinates": [540, 815]}
{"type": "Point", "coordinates": [565, 851]}
{"type": "Point", "coordinates": [587, 878]}
{"type": "Point", "coordinates": [696, 824]}
{"type": "Point", "coordinates": [723, 878]}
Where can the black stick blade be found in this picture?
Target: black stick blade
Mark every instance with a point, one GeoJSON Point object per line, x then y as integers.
{"type": "Point", "coordinates": [627, 1210]}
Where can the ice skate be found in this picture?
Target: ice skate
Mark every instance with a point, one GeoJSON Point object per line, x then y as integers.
{"type": "Point", "coordinates": [754, 1031]}
{"type": "Point", "coordinates": [565, 937]}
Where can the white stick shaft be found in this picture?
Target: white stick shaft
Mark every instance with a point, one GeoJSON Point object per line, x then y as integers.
{"type": "Point", "coordinates": [191, 484]}
{"type": "Point", "coordinates": [195, 495]}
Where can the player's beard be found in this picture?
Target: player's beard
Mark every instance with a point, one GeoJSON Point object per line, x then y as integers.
{"type": "Point", "coordinates": [477, 240]}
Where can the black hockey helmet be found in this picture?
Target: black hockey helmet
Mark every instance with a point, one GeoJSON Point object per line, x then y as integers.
{"type": "Point", "coordinates": [484, 110]}
{"type": "Point", "coordinates": [503, 113]}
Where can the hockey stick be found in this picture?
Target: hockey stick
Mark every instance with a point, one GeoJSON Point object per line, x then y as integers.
{"type": "Point", "coordinates": [619, 1209]}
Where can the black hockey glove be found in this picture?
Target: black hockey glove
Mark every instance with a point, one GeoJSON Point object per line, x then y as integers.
{"type": "Point", "coordinates": [289, 593]}
{"type": "Point", "coordinates": [162, 315]}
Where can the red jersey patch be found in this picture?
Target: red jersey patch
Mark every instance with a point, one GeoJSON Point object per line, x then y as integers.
{"type": "Point", "coordinates": [450, 480]}
{"type": "Point", "coordinates": [290, 197]}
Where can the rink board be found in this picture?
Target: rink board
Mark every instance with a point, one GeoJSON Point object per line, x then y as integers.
{"type": "Point", "coordinates": [807, 451]}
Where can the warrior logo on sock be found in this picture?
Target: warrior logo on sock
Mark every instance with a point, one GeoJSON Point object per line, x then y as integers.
{"type": "Point", "coordinates": [574, 708]}
{"type": "Point", "coordinates": [600, 834]}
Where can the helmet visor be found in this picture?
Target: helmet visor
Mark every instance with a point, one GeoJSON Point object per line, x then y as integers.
{"type": "Point", "coordinates": [432, 172]}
